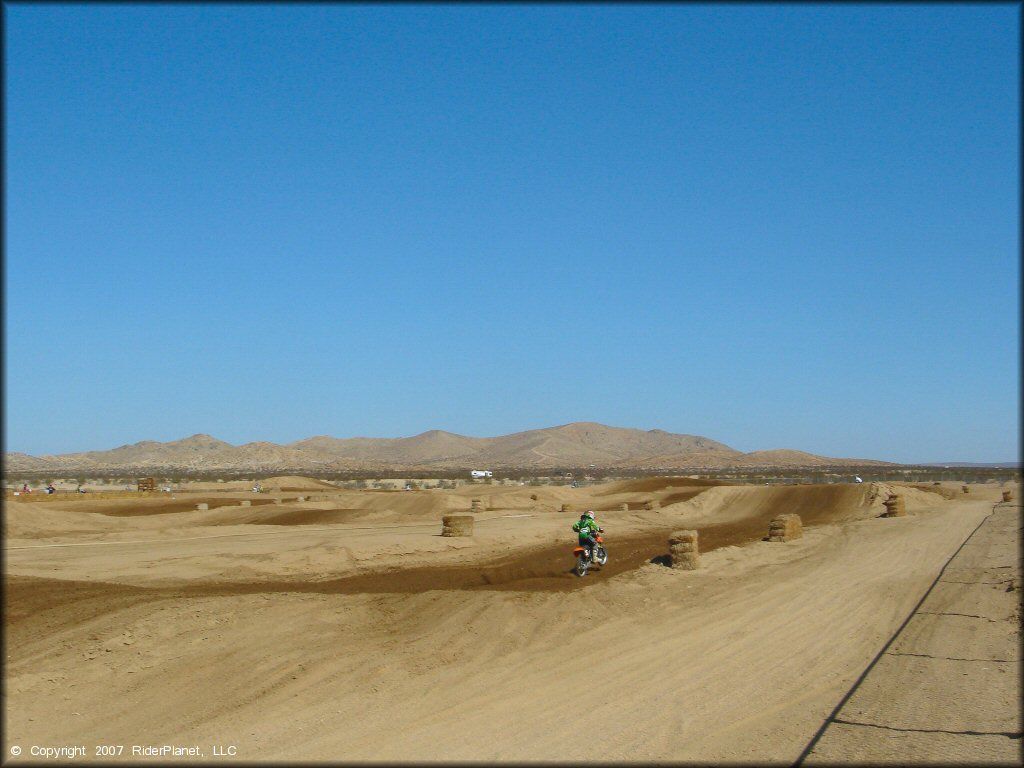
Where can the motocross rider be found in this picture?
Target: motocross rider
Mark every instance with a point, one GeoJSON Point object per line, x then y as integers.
{"type": "Point", "coordinates": [587, 529]}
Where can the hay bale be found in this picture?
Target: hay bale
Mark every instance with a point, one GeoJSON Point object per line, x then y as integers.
{"type": "Point", "coordinates": [1007, 495]}
{"type": "Point", "coordinates": [965, 489]}
{"type": "Point", "coordinates": [246, 503]}
{"type": "Point", "coordinates": [684, 537]}
{"type": "Point", "coordinates": [476, 505]}
{"type": "Point", "coordinates": [457, 525]}
{"type": "Point", "coordinates": [567, 508]}
{"type": "Point", "coordinates": [651, 505]}
{"type": "Point", "coordinates": [690, 562]}
{"type": "Point", "coordinates": [895, 506]}
{"type": "Point", "coordinates": [202, 507]}
{"type": "Point", "coordinates": [624, 507]}
{"type": "Point", "coordinates": [684, 550]}
{"type": "Point", "coordinates": [785, 528]}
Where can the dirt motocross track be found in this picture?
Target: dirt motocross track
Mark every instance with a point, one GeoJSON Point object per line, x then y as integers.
{"type": "Point", "coordinates": [346, 628]}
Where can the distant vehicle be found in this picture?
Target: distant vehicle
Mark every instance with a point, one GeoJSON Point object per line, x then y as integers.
{"type": "Point", "coordinates": [857, 479]}
{"type": "Point", "coordinates": [481, 473]}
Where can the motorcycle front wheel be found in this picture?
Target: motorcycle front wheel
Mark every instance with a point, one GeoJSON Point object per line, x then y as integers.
{"type": "Point", "coordinates": [602, 556]}
{"type": "Point", "coordinates": [582, 564]}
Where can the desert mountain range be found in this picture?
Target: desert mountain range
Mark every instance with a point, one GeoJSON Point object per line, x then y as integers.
{"type": "Point", "coordinates": [578, 444]}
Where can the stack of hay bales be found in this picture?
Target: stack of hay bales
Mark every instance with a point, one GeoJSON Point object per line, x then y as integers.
{"type": "Point", "coordinates": [202, 507]}
{"type": "Point", "coordinates": [476, 506]}
{"type": "Point", "coordinates": [625, 507]}
{"type": "Point", "coordinates": [457, 525]}
{"type": "Point", "coordinates": [684, 550]}
{"type": "Point", "coordinates": [785, 528]}
{"type": "Point", "coordinates": [895, 506]}
{"type": "Point", "coordinates": [567, 508]}
{"type": "Point", "coordinates": [965, 488]}
{"type": "Point", "coordinates": [1007, 495]}
{"type": "Point", "coordinates": [653, 504]}
{"type": "Point", "coordinates": [245, 503]}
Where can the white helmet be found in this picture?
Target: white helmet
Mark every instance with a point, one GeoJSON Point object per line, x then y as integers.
{"type": "Point", "coordinates": [589, 513]}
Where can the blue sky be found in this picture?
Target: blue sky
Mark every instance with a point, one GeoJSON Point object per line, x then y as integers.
{"type": "Point", "coordinates": [775, 226]}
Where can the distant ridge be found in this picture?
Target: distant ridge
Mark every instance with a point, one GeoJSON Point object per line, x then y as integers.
{"type": "Point", "coordinates": [994, 465]}
{"type": "Point", "coordinates": [579, 444]}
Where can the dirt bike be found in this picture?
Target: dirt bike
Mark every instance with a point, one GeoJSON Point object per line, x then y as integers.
{"type": "Point", "coordinates": [584, 557]}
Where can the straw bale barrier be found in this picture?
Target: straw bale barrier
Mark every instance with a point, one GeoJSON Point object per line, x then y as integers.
{"type": "Point", "coordinates": [202, 507]}
{"type": "Point", "coordinates": [684, 550]}
{"type": "Point", "coordinates": [567, 508]}
{"type": "Point", "coordinates": [895, 506]}
{"type": "Point", "coordinates": [1007, 495]}
{"type": "Point", "coordinates": [965, 488]}
{"type": "Point", "coordinates": [624, 507]}
{"type": "Point", "coordinates": [653, 504]}
{"type": "Point", "coordinates": [476, 505]}
{"type": "Point", "coordinates": [785, 528]}
{"type": "Point", "coordinates": [457, 525]}
{"type": "Point", "coordinates": [245, 503]}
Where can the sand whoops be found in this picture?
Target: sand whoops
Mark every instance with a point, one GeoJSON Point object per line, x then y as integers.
{"type": "Point", "coordinates": [344, 627]}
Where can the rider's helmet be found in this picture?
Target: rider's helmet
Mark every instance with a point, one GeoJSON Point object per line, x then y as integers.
{"type": "Point", "coordinates": [589, 514]}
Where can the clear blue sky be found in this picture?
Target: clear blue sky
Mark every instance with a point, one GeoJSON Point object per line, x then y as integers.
{"type": "Point", "coordinates": [774, 226]}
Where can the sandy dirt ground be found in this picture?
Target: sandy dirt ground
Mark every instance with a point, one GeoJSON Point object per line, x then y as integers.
{"type": "Point", "coordinates": [344, 627]}
{"type": "Point", "coordinates": [912, 699]}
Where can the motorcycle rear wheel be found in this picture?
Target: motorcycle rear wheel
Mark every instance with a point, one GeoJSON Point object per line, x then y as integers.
{"type": "Point", "coordinates": [582, 564]}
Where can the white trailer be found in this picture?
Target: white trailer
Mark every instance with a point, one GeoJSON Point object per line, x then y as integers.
{"type": "Point", "coordinates": [478, 473]}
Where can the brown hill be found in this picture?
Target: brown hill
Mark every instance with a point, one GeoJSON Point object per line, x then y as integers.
{"type": "Point", "coordinates": [190, 451]}
{"type": "Point", "coordinates": [579, 444]}
{"type": "Point", "coordinates": [585, 443]}
{"type": "Point", "coordinates": [431, 447]}
{"type": "Point", "coordinates": [786, 457]}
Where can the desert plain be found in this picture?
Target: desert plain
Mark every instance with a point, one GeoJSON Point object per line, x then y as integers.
{"type": "Point", "coordinates": [314, 623]}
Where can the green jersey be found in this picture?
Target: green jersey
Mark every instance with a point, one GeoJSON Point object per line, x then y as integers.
{"type": "Point", "coordinates": [585, 527]}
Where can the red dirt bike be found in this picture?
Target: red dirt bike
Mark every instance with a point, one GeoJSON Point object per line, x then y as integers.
{"type": "Point", "coordinates": [584, 557]}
